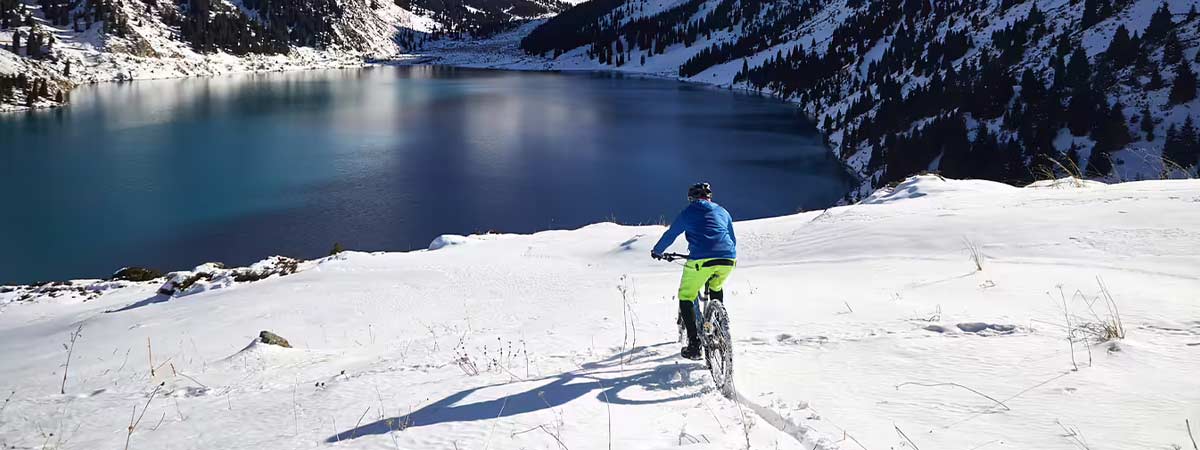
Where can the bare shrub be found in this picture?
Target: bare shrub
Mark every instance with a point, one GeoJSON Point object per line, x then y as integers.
{"type": "Point", "coordinates": [1106, 327]}
{"type": "Point", "coordinates": [1113, 324]}
{"type": "Point", "coordinates": [70, 350]}
{"type": "Point", "coordinates": [975, 253]}
{"type": "Point", "coordinates": [1073, 433]}
{"type": "Point", "coordinates": [628, 318]}
{"type": "Point", "coordinates": [1098, 328]}
{"type": "Point", "coordinates": [134, 423]}
{"type": "Point", "coordinates": [465, 362]}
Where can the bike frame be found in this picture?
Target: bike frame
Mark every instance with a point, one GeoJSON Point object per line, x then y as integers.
{"type": "Point", "coordinates": [713, 333]}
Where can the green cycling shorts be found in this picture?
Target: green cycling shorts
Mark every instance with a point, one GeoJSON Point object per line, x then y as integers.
{"type": "Point", "coordinates": [700, 272]}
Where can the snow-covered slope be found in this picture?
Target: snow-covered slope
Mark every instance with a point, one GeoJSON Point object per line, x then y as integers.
{"type": "Point", "coordinates": [130, 40]}
{"type": "Point", "coordinates": [865, 326]}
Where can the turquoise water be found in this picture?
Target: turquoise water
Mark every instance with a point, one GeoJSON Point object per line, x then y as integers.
{"type": "Point", "coordinates": [172, 173]}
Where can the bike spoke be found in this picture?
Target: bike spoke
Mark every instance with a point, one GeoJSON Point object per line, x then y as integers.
{"type": "Point", "coordinates": [718, 350]}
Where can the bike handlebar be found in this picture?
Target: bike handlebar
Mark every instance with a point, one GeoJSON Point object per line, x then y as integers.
{"type": "Point", "coordinates": [674, 256]}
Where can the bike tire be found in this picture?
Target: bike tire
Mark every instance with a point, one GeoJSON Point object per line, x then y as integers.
{"type": "Point", "coordinates": [718, 347]}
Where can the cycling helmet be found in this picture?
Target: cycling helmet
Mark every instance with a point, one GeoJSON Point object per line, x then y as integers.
{"type": "Point", "coordinates": [699, 191]}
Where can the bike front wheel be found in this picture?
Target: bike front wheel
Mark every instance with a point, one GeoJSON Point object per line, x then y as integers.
{"type": "Point", "coordinates": [718, 347]}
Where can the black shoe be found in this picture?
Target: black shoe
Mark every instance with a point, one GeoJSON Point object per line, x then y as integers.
{"type": "Point", "coordinates": [691, 352]}
{"type": "Point", "coordinates": [687, 313]}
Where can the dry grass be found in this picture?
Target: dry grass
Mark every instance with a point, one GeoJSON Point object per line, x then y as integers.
{"type": "Point", "coordinates": [628, 318]}
{"type": "Point", "coordinates": [134, 423]}
{"type": "Point", "coordinates": [975, 253]}
{"type": "Point", "coordinates": [1173, 170]}
{"type": "Point", "coordinates": [1047, 173]}
{"type": "Point", "coordinates": [1099, 327]}
{"type": "Point", "coordinates": [1106, 327]}
{"type": "Point", "coordinates": [464, 361]}
{"type": "Point", "coordinates": [1073, 433]}
{"type": "Point", "coordinates": [70, 350]}
{"type": "Point", "coordinates": [997, 402]}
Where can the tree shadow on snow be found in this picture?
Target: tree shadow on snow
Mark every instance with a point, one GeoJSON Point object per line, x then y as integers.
{"type": "Point", "coordinates": [602, 377]}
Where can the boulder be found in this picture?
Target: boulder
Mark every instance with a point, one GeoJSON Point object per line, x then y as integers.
{"type": "Point", "coordinates": [136, 274]}
{"type": "Point", "coordinates": [270, 338]}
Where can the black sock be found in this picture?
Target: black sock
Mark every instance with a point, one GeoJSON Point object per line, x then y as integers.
{"type": "Point", "coordinates": [687, 310]}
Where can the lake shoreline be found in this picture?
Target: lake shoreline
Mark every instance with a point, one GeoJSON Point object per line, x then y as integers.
{"type": "Point", "coordinates": [729, 138]}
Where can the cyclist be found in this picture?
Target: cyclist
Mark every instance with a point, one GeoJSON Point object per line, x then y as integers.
{"type": "Point", "coordinates": [713, 248]}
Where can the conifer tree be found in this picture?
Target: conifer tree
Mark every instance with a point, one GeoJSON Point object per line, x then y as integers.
{"type": "Point", "coordinates": [1160, 24]}
{"type": "Point", "coordinates": [1121, 50]}
{"type": "Point", "coordinates": [1156, 81]}
{"type": "Point", "coordinates": [1084, 101]}
{"type": "Point", "coordinates": [1183, 90]}
{"type": "Point", "coordinates": [1078, 70]}
{"type": "Point", "coordinates": [1091, 13]}
{"type": "Point", "coordinates": [1182, 146]}
{"type": "Point", "coordinates": [1110, 134]}
{"type": "Point", "coordinates": [1172, 49]}
{"type": "Point", "coordinates": [1148, 123]}
{"type": "Point", "coordinates": [1169, 145]}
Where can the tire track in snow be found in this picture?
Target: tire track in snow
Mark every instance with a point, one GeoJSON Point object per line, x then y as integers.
{"type": "Point", "coordinates": [801, 433]}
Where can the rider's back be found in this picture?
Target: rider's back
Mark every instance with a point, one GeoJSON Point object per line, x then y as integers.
{"type": "Point", "coordinates": [708, 228]}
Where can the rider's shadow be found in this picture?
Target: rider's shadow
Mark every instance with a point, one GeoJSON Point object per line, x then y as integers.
{"type": "Point", "coordinates": [560, 390]}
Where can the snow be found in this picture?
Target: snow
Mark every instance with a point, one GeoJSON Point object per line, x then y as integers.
{"type": "Point", "coordinates": [853, 326]}
{"type": "Point", "coordinates": [447, 240]}
{"type": "Point", "coordinates": [922, 185]}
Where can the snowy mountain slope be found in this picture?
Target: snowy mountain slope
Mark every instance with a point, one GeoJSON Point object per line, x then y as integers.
{"type": "Point", "coordinates": [849, 326]}
{"type": "Point", "coordinates": [903, 87]}
{"type": "Point", "coordinates": [124, 40]}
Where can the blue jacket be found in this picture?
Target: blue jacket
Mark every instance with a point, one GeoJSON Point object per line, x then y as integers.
{"type": "Point", "coordinates": [709, 231]}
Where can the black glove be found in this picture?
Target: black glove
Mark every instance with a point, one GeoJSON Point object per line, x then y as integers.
{"type": "Point", "coordinates": [655, 255]}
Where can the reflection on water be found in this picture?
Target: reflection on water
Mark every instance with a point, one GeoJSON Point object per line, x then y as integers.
{"type": "Point", "coordinates": [171, 173]}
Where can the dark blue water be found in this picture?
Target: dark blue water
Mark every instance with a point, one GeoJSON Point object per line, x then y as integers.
{"type": "Point", "coordinates": [172, 173]}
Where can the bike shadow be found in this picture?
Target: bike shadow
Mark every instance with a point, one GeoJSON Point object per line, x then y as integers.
{"type": "Point", "coordinates": [603, 377]}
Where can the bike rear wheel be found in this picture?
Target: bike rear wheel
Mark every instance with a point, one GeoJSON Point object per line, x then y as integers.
{"type": "Point", "coordinates": [718, 347]}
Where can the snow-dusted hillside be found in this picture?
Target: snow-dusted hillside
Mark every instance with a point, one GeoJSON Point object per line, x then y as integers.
{"type": "Point", "coordinates": [903, 87]}
{"type": "Point", "coordinates": [860, 327]}
{"type": "Point", "coordinates": [95, 41]}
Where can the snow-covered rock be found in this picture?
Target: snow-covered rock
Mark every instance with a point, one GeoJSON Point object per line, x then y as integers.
{"type": "Point", "coordinates": [447, 240]}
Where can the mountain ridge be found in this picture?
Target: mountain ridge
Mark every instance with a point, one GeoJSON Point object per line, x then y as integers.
{"type": "Point", "coordinates": [48, 47]}
{"type": "Point", "coordinates": [904, 87]}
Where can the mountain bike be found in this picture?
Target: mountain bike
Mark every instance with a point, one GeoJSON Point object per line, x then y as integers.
{"type": "Point", "coordinates": [713, 327]}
